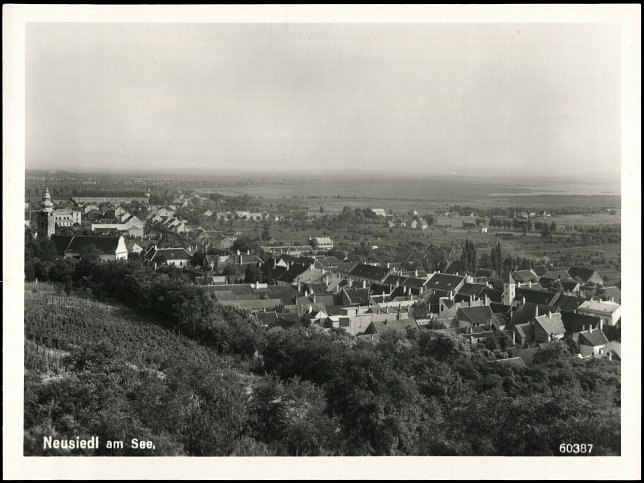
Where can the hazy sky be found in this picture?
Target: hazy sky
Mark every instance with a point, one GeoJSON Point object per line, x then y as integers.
{"type": "Point", "coordinates": [392, 99]}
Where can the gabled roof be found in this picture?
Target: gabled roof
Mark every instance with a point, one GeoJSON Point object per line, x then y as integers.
{"type": "Point", "coordinates": [358, 296]}
{"type": "Point", "coordinates": [540, 270]}
{"type": "Point", "coordinates": [526, 331]}
{"type": "Point", "coordinates": [535, 296]}
{"type": "Point", "coordinates": [475, 315]}
{"type": "Point", "coordinates": [378, 289]}
{"type": "Point", "coordinates": [172, 254]}
{"type": "Point", "coordinates": [582, 273]}
{"type": "Point", "coordinates": [345, 267]}
{"type": "Point", "coordinates": [568, 303]}
{"type": "Point", "coordinates": [500, 308]}
{"type": "Point", "coordinates": [575, 323]}
{"type": "Point", "coordinates": [370, 272]}
{"type": "Point", "coordinates": [445, 281]}
{"type": "Point", "coordinates": [594, 338]}
{"type": "Point", "coordinates": [415, 282]}
{"type": "Point", "coordinates": [527, 312]}
{"type": "Point", "coordinates": [61, 242]}
{"type": "Point", "coordinates": [557, 275]}
{"type": "Point", "coordinates": [569, 285]}
{"type": "Point", "coordinates": [393, 278]}
{"type": "Point", "coordinates": [552, 324]}
{"type": "Point", "coordinates": [494, 295]}
{"type": "Point", "coordinates": [485, 272]}
{"type": "Point", "coordinates": [457, 266]}
{"type": "Point", "coordinates": [525, 276]}
{"type": "Point", "coordinates": [473, 289]}
{"type": "Point", "coordinates": [106, 245]}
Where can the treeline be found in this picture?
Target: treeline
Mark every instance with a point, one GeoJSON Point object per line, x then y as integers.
{"type": "Point", "coordinates": [510, 212]}
{"type": "Point", "coordinates": [311, 392]}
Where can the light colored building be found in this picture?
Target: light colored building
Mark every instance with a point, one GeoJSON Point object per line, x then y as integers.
{"type": "Point", "coordinates": [608, 312]}
{"type": "Point", "coordinates": [324, 243]}
{"type": "Point", "coordinates": [379, 211]}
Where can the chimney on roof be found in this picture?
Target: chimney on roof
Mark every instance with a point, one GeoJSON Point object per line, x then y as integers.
{"type": "Point", "coordinates": [298, 285]}
{"type": "Point", "coordinates": [549, 314]}
{"type": "Point", "coordinates": [388, 266]}
{"type": "Point", "coordinates": [522, 300]}
{"type": "Point", "coordinates": [601, 324]}
{"type": "Point", "coordinates": [364, 284]}
{"type": "Point", "coordinates": [612, 299]}
{"type": "Point", "coordinates": [610, 356]}
{"type": "Point", "coordinates": [416, 273]}
{"type": "Point", "coordinates": [536, 311]}
{"type": "Point", "coordinates": [514, 338]}
{"type": "Point", "coordinates": [326, 280]}
{"type": "Point", "coordinates": [590, 328]}
{"type": "Point", "coordinates": [451, 295]}
{"type": "Point", "coordinates": [529, 283]}
{"type": "Point", "coordinates": [247, 252]}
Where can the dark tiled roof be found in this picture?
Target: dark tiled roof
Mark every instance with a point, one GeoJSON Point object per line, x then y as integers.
{"type": "Point", "coordinates": [444, 281]}
{"type": "Point", "coordinates": [61, 242]}
{"type": "Point", "coordinates": [556, 275]}
{"type": "Point", "coordinates": [582, 273]}
{"type": "Point", "coordinates": [534, 296]}
{"type": "Point", "coordinates": [575, 323]}
{"type": "Point", "coordinates": [485, 272]}
{"type": "Point", "coordinates": [526, 331]}
{"type": "Point", "coordinates": [378, 289]}
{"type": "Point", "coordinates": [569, 285]}
{"type": "Point", "coordinates": [370, 272]}
{"type": "Point", "coordinates": [284, 292]}
{"type": "Point", "coordinates": [500, 308]}
{"type": "Point", "coordinates": [104, 244]}
{"type": "Point", "coordinates": [540, 270]}
{"type": "Point", "coordinates": [568, 303]}
{"type": "Point", "coordinates": [392, 279]}
{"type": "Point", "coordinates": [172, 254]}
{"type": "Point", "coordinates": [345, 267]}
{"type": "Point", "coordinates": [529, 310]}
{"type": "Point", "coordinates": [415, 282]}
{"type": "Point", "coordinates": [358, 295]}
{"type": "Point", "coordinates": [494, 295]}
{"type": "Point", "coordinates": [525, 276]}
{"type": "Point", "coordinates": [593, 339]}
{"type": "Point", "coordinates": [475, 315]}
{"type": "Point", "coordinates": [457, 266]}
{"type": "Point", "coordinates": [472, 289]}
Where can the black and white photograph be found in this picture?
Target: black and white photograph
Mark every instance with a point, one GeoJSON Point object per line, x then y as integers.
{"type": "Point", "coordinates": [321, 242]}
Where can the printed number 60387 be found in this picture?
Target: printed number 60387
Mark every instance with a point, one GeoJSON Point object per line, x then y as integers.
{"type": "Point", "coordinates": [576, 448]}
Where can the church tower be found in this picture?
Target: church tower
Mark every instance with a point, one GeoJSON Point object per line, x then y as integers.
{"type": "Point", "coordinates": [45, 219]}
{"type": "Point", "coordinates": [509, 291]}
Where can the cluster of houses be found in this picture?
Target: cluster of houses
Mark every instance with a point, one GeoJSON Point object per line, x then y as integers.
{"type": "Point", "coordinates": [534, 308]}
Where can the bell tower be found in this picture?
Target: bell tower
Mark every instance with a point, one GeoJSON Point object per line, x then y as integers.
{"type": "Point", "coordinates": [509, 291]}
{"type": "Point", "coordinates": [45, 220]}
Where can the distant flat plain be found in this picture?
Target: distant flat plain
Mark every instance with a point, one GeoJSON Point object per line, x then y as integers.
{"type": "Point", "coordinates": [421, 193]}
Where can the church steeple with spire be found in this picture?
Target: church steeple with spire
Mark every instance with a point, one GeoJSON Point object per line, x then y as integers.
{"type": "Point", "coordinates": [45, 226]}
